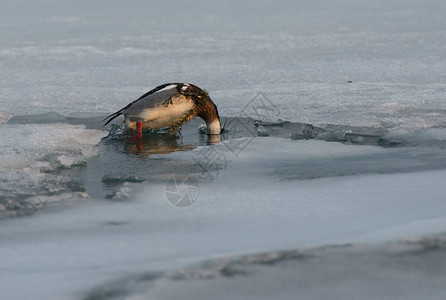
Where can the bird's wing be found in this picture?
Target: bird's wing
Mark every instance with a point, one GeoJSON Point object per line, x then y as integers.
{"type": "Point", "coordinates": [153, 98]}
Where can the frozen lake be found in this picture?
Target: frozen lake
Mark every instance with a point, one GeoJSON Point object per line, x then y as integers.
{"type": "Point", "coordinates": [336, 134]}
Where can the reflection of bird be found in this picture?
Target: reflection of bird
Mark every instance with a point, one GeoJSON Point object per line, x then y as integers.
{"type": "Point", "coordinates": [170, 105]}
{"type": "Point", "coordinates": [155, 143]}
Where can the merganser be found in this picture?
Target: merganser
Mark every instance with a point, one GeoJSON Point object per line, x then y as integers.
{"type": "Point", "coordinates": [170, 105]}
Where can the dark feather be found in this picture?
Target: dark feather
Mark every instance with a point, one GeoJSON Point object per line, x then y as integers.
{"type": "Point", "coordinates": [119, 112]}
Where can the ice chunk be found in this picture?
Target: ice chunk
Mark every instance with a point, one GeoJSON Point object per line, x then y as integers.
{"type": "Point", "coordinates": [25, 146]}
{"type": "Point", "coordinates": [30, 153]}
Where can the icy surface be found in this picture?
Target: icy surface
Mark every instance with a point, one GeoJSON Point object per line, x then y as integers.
{"type": "Point", "coordinates": [406, 269]}
{"type": "Point", "coordinates": [29, 156]}
{"type": "Point", "coordinates": [301, 54]}
{"type": "Point", "coordinates": [361, 72]}
{"type": "Point", "coordinates": [247, 208]}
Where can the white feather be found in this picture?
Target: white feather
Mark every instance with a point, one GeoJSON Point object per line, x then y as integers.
{"type": "Point", "coordinates": [164, 116]}
{"type": "Point", "coordinates": [167, 88]}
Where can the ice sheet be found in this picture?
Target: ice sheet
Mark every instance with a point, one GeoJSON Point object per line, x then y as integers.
{"type": "Point", "coordinates": [378, 64]}
{"type": "Point", "coordinates": [300, 55]}
{"type": "Point", "coordinates": [245, 209]}
{"type": "Point", "coordinates": [406, 269]}
{"type": "Point", "coordinates": [31, 154]}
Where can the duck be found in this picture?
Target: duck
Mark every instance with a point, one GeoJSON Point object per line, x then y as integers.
{"type": "Point", "coordinates": [170, 105]}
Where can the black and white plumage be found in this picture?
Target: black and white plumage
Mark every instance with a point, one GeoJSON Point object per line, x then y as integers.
{"type": "Point", "coordinates": [170, 105]}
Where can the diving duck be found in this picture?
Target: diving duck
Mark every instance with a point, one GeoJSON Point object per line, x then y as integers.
{"type": "Point", "coordinates": [170, 105]}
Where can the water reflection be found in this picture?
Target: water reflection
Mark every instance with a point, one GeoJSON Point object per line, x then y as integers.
{"type": "Point", "coordinates": [160, 143]}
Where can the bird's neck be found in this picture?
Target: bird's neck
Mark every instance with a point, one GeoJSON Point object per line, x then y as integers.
{"type": "Point", "coordinates": [209, 113]}
{"type": "Point", "coordinates": [214, 127]}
